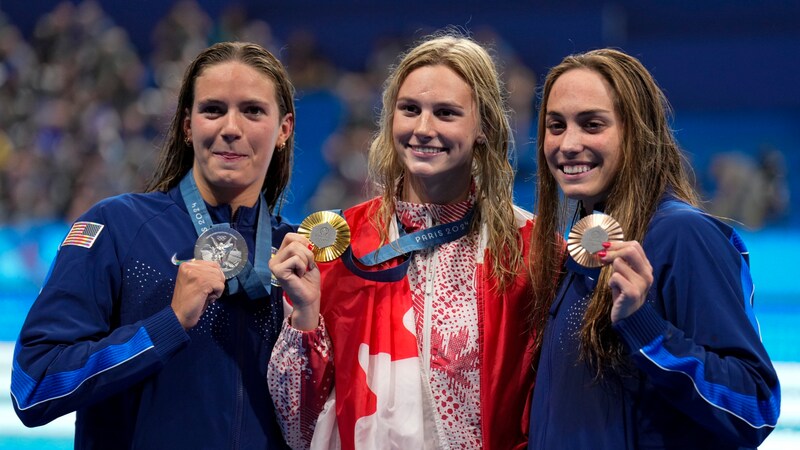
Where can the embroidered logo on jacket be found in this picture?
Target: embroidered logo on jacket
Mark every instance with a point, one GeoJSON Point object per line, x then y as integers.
{"type": "Point", "coordinates": [83, 234]}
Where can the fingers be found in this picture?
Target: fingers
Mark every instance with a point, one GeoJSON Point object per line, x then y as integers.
{"type": "Point", "coordinates": [294, 258]}
{"type": "Point", "coordinates": [294, 267]}
{"type": "Point", "coordinates": [295, 238]}
{"type": "Point", "coordinates": [631, 278]}
{"type": "Point", "coordinates": [628, 257]}
{"type": "Point", "coordinates": [206, 275]}
{"type": "Point", "coordinates": [198, 284]}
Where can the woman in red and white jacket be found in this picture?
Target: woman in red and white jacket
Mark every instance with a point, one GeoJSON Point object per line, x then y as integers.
{"type": "Point", "coordinates": [428, 349]}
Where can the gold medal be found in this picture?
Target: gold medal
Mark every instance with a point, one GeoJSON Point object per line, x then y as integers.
{"type": "Point", "coordinates": [328, 232]}
{"type": "Point", "coordinates": [587, 236]}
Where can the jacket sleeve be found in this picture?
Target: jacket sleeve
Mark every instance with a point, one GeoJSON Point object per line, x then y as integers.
{"type": "Point", "coordinates": [71, 351]}
{"type": "Point", "coordinates": [697, 339]}
{"type": "Point", "coordinates": [300, 379]}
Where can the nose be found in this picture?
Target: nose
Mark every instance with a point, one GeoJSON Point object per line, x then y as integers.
{"type": "Point", "coordinates": [423, 128]}
{"type": "Point", "coordinates": [571, 140]}
{"type": "Point", "coordinates": [231, 130]}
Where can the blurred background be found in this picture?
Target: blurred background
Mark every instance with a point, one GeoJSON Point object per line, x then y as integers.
{"type": "Point", "coordinates": [87, 89]}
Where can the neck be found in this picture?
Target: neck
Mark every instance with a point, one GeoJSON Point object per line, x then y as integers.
{"type": "Point", "coordinates": [446, 193]}
{"type": "Point", "coordinates": [590, 207]}
{"type": "Point", "coordinates": [217, 197]}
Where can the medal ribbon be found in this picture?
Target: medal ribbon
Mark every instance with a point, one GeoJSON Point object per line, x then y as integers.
{"type": "Point", "coordinates": [405, 245]}
{"type": "Point", "coordinates": [254, 281]}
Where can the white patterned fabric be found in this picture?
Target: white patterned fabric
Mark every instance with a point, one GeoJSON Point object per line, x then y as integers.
{"type": "Point", "coordinates": [443, 292]}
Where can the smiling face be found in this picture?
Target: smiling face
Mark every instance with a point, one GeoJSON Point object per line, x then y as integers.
{"type": "Point", "coordinates": [583, 136]}
{"type": "Point", "coordinates": [234, 126]}
{"type": "Point", "coordinates": [434, 129]}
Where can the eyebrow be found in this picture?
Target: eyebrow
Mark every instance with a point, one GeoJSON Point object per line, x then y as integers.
{"type": "Point", "coordinates": [583, 114]}
{"type": "Point", "coordinates": [441, 104]}
{"type": "Point", "coordinates": [252, 101]}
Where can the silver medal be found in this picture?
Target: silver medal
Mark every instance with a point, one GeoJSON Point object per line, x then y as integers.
{"type": "Point", "coordinates": [225, 246]}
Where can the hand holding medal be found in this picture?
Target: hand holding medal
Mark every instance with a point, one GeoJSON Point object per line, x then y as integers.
{"type": "Point", "coordinates": [293, 264]}
{"type": "Point", "coordinates": [632, 274]}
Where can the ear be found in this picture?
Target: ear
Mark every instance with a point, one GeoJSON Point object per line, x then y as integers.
{"type": "Point", "coordinates": [287, 127]}
{"type": "Point", "coordinates": [187, 124]}
{"type": "Point", "coordinates": [481, 139]}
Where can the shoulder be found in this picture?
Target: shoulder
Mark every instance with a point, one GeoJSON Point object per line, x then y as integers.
{"type": "Point", "coordinates": [675, 219]}
{"type": "Point", "coordinates": [127, 213]}
{"type": "Point", "coordinates": [366, 208]}
{"type": "Point", "coordinates": [363, 213]}
{"type": "Point", "coordinates": [679, 229]}
{"type": "Point", "coordinates": [523, 218]}
{"type": "Point", "coordinates": [132, 206]}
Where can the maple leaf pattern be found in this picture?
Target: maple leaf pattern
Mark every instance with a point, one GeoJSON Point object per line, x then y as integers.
{"type": "Point", "coordinates": [454, 350]}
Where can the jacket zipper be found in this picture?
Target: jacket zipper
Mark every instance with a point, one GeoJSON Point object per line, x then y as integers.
{"type": "Point", "coordinates": [430, 273]}
{"type": "Point", "coordinates": [240, 328]}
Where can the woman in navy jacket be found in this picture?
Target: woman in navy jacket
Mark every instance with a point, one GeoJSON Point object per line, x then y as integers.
{"type": "Point", "coordinates": [151, 347]}
{"type": "Point", "coordinates": [658, 347]}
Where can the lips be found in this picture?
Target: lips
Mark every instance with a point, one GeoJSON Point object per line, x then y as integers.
{"type": "Point", "coordinates": [229, 156]}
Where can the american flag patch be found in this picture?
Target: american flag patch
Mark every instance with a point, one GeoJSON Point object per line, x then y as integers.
{"type": "Point", "coordinates": [83, 234]}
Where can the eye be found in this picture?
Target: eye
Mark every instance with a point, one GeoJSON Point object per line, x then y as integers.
{"type": "Point", "coordinates": [254, 110]}
{"type": "Point", "coordinates": [555, 127]}
{"type": "Point", "coordinates": [446, 113]}
{"type": "Point", "coordinates": [212, 110]}
{"type": "Point", "coordinates": [408, 108]}
{"type": "Point", "coordinates": [594, 126]}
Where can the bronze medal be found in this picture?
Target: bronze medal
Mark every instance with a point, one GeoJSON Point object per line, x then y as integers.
{"type": "Point", "coordinates": [587, 236]}
{"type": "Point", "coordinates": [329, 234]}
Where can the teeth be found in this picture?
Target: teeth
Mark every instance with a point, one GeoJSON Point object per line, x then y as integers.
{"type": "Point", "coordinates": [427, 149]}
{"type": "Point", "coordinates": [571, 170]}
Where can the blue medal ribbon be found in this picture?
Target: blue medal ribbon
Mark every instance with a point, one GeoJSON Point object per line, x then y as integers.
{"type": "Point", "coordinates": [254, 280]}
{"type": "Point", "coordinates": [405, 245]}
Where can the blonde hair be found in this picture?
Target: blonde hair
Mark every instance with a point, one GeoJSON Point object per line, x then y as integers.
{"type": "Point", "coordinates": [651, 165]}
{"type": "Point", "coordinates": [491, 169]}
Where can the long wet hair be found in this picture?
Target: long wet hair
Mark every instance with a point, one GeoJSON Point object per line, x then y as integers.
{"type": "Point", "coordinates": [491, 169]}
{"type": "Point", "coordinates": [651, 164]}
{"type": "Point", "coordinates": [177, 157]}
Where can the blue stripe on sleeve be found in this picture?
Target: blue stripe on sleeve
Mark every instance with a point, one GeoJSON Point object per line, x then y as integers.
{"type": "Point", "coordinates": [748, 290]}
{"type": "Point", "coordinates": [757, 414]}
{"type": "Point", "coordinates": [62, 384]}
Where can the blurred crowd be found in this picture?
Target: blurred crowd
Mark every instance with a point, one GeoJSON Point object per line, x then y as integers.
{"type": "Point", "coordinates": [80, 114]}
{"type": "Point", "coordinates": [84, 112]}
{"type": "Point", "coordinates": [750, 190]}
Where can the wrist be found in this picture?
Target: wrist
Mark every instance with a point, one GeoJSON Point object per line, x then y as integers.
{"type": "Point", "coordinates": [304, 319]}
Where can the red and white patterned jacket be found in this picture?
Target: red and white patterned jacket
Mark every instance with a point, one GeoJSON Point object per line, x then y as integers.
{"type": "Point", "coordinates": [367, 347]}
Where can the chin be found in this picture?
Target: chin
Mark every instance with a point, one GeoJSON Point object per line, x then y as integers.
{"type": "Point", "coordinates": [578, 196]}
{"type": "Point", "coordinates": [228, 182]}
{"type": "Point", "coordinates": [422, 171]}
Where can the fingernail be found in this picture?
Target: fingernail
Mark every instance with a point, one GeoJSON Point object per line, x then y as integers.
{"type": "Point", "coordinates": [601, 253]}
{"type": "Point", "coordinates": [606, 244]}
{"type": "Point", "coordinates": [311, 247]}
